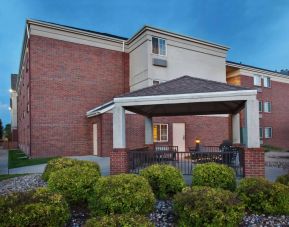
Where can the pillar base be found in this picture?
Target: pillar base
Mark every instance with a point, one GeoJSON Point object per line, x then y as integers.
{"type": "Point", "coordinates": [119, 161]}
{"type": "Point", "coordinates": [254, 165]}
{"type": "Point", "coordinates": [151, 147]}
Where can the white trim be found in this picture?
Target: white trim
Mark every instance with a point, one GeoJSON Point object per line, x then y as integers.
{"type": "Point", "coordinates": [166, 48]}
{"type": "Point", "coordinates": [187, 98]}
{"type": "Point", "coordinates": [95, 112]}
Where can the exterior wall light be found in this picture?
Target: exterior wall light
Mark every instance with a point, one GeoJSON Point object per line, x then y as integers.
{"type": "Point", "coordinates": [197, 141]}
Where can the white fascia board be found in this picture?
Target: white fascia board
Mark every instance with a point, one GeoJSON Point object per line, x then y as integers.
{"type": "Point", "coordinates": [187, 98]}
{"type": "Point", "coordinates": [96, 111]}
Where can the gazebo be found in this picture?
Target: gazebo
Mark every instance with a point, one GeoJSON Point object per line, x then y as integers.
{"type": "Point", "coordinates": [188, 95]}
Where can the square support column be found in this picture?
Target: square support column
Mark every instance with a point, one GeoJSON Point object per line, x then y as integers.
{"type": "Point", "coordinates": [148, 131]}
{"type": "Point", "coordinates": [119, 155]}
{"type": "Point", "coordinates": [252, 123]}
{"type": "Point", "coordinates": [236, 129]}
{"type": "Point", "coordinates": [119, 127]}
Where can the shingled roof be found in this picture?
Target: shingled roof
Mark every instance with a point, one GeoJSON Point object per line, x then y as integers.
{"type": "Point", "coordinates": [184, 85]}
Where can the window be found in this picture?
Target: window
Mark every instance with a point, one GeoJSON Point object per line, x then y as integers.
{"type": "Point", "coordinates": [261, 132]}
{"type": "Point", "coordinates": [257, 80]}
{"type": "Point", "coordinates": [267, 107]}
{"type": "Point", "coordinates": [268, 132]}
{"type": "Point", "coordinates": [156, 82]}
{"type": "Point", "coordinates": [267, 81]}
{"type": "Point", "coordinates": [159, 46]}
{"type": "Point", "coordinates": [260, 106]}
{"type": "Point", "coordinates": [160, 133]}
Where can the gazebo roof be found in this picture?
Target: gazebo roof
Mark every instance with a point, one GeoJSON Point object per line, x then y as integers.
{"type": "Point", "coordinates": [184, 85]}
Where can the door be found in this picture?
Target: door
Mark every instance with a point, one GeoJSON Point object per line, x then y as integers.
{"type": "Point", "coordinates": [95, 151]}
{"type": "Point", "coordinates": [179, 136]}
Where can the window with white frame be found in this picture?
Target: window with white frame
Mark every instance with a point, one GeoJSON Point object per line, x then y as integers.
{"type": "Point", "coordinates": [159, 46]}
{"type": "Point", "coordinates": [257, 80]}
{"type": "Point", "coordinates": [260, 106]}
{"type": "Point", "coordinates": [261, 132]}
{"type": "Point", "coordinates": [156, 82]}
{"type": "Point", "coordinates": [160, 132]}
{"type": "Point", "coordinates": [268, 132]}
{"type": "Point", "coordinates": [267, 107]}
{"type": "Point", "coordinates": [267, 81]}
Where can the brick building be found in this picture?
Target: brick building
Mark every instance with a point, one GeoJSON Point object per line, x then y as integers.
{"type": "Point", "coordinates": [69, 78]}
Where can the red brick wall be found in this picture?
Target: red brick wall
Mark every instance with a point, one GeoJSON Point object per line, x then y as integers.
{"type": "Point", "coordinates": [67, 80]}
{"type": "Point", "coordinates": [211, 130]}
{"type": "Point", "coordinates": [23, 99]}
{"type": "Point", "coordinates": [278, 119]}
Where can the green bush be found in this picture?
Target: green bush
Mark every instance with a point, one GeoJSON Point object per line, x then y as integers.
{"type": "Point", "coordinates": [165, 180]}
{"type": "Point", "coordinates": [214, 175]}
{"type": "Point", "coordinates": [260, 196]}
{"type": "Point", "coordinates": [34, 208]}
{"type": "Point", "coordinates": [122, 220]}
{"type": "Point", "coordinates": [283, 179]}
{"type": "Point", "coordinates": [61, 163]}
{"type": "Point", "coordinates": [124, 193]}
{"type": "Point", "coordinates": [205, 206]}
{"type": "Point", "coordinates": [74, 183]}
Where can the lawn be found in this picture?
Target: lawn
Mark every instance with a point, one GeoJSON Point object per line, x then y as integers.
{"type": "Point", "coordinates": [8, 176]}
{"type": "Point", "coordinates": [17, 158]}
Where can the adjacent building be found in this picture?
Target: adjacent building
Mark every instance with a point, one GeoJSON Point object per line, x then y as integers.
{"type": "Point", "coordinates": [69, 78]}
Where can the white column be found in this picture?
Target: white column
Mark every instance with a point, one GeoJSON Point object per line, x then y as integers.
{"type": "Point", "coordinates": [148, 130]}
{"type": "Point", "coordinates": [236, 128]}
{"type": "Point", "coordinates": [119, 127]}
{"type": "Point", "coordinates": [252, 123]}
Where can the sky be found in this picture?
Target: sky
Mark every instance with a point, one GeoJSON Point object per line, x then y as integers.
{"type": "Point", "coordinates": [257, 31]}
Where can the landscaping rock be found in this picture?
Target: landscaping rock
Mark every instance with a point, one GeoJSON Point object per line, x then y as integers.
{"type": "Point", "coordinates": [21, 184]}
{"type": "Point", "coordinates": [163, 215]}
{"type": "Point", "coordinates": [265, 221]}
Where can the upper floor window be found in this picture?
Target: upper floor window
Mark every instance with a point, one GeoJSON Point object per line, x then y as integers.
{"type": "Point", "coordinates": [267, 81]}
{"type": "Point", "coordinates": [159, 46]}
{"type": "Point", "coordinates": [260, 106]}
{"type": "Point", "coordinates": [160, 132]}
{"type": "Point", "coordinates": [268, 132]}
{"type": "Point", "coordinates": [267, 107]}
{"type": "Point", "coordinates": [257, 80]}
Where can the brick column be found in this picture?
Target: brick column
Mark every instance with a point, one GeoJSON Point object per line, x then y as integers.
{"type": "Point", "coordinates": [119, 161]}
{"type": "Point", "coordinates": [254, 162]}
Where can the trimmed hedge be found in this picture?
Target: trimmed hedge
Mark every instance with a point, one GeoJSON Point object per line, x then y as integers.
{"type": "Point", "coordinates": [205, 206]}
{"type": "Point", "coordinates": [34, 208]}
{"type": "Point", "coordinates": [123, 220]}
{"type": "Point", "coordinates": [61, 163]}
{"type": "Point", "coordinates": [262, 197]}
{"type": "Point", "coordinates": [165, 180]}
{"type": "Point", "coordinates": [124, 193]}
{"type": "Point", "coordinates": [283, 179]}
{"type": "Point", "coordinates": [74, 183]}
{"type": "Point", "coordinates": [214, 175]}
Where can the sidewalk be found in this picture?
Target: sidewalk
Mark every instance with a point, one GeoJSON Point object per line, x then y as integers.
{"type": "Point", "coordinates": [3, 161]}
{"type": "Point", "coordinates": [103, 163]}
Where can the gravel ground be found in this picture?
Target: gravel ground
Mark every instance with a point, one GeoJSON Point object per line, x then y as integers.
{"type": "Point", "coordinates": [21, 184]}
{"type": "Point", "coordinates": [163, 215]}
{"type": "Point", "coordinates": [265, 221]}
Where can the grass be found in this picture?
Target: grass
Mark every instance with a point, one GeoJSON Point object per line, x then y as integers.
{"type": "Point", "coordinates": [268, 147]}
{"type": "Point", "coordinates": [8, 176]}
{"type": "Point", "coordinates": [17, 158]}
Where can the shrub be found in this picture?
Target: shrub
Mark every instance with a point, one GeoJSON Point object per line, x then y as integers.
{"type": "Point", "coordinates": [34, 208]}
{"type": "Point", "coordinates": [122, 193]}
{"type": "Point", "coordinates": [205, 206]}
{"type": "Point", "coordinates": [214, 175]}
{"type": "Point", "coordinates": [260, 196]}
{"type": "Point", "coordinates": [123, 220]}
{"type": "Point", "coordinates": [283, 179]}
{"type": "Point", "coordinates": [74, 183]}
{"type": "Point", "coordinates": [61, 163]}
{"type": "Point", "coordinates": [165, 180]}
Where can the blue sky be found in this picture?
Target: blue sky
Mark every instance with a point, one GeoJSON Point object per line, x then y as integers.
{"type": "Point", "coordinates": [257, 31]}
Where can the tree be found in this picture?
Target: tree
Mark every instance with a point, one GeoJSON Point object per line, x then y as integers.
{"type": "Point", "coordinates": [1, 130]}
{"type": "Point", "coordinates": [7, 132]}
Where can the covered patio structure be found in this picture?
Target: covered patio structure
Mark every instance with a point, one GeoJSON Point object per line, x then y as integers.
{"type": "Point", "coordinates": [189, 96]}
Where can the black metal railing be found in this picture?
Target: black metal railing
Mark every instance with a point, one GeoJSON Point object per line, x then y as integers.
{"type": "Point", "coordinates": [186, 161]}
